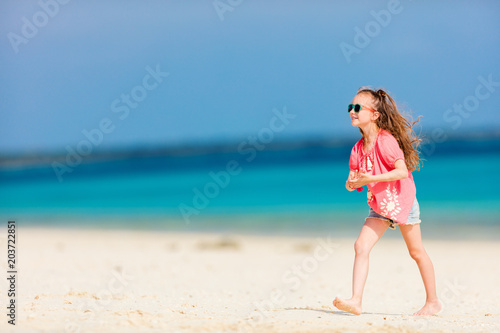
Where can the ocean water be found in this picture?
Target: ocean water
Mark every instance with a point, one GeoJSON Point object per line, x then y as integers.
{"type": "Point", "coordinates": [293, 191]}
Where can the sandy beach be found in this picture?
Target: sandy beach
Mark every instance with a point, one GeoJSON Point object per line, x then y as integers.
{"type": "Point", "coordinates": [145, 281]}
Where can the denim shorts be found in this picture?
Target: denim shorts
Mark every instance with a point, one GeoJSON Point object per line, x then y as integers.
{"type": "Point", "coordinates": [413, 217]}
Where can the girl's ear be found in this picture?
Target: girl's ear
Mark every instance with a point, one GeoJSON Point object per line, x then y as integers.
{"type": "Point", "coordinates": [375, 115]}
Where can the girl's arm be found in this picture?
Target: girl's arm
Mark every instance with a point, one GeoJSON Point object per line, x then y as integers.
{"type": "Point", "coordinates": [400, 172]}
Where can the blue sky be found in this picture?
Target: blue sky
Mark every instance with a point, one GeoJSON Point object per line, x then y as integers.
{"type": "Point", "coordinates": [226, 76]}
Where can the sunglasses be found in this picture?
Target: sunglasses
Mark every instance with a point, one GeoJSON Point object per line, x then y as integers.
{"type": "Point", "coordinates": [358, 107]}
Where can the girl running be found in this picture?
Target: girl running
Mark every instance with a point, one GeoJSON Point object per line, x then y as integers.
{"type": "Point", "coordinates": [383, 160]}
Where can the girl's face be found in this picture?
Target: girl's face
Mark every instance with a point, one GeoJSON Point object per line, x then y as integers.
{"type": "Point", "coordinates": [364, 117]}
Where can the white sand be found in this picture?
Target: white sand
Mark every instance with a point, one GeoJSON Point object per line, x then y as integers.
{"type": "Point", "coordinates": [135, 281]}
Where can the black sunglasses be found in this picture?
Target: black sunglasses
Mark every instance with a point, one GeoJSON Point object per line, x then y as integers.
{"type": "Point", "coordinates": [358, 107]}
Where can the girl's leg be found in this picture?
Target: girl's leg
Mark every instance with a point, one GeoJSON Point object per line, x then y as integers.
{"type": "Point", "coordinates": [413, 239]}
{"type": "Point", "coordinates": [370, 233]}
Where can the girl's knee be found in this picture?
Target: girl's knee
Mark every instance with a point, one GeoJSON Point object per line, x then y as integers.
{"type": "Point", "coordinates": [417, 254]}
{"type": "Point", "coordinates": [360, 248]}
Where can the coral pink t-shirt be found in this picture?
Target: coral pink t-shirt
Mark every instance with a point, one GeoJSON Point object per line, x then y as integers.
{"type": "Point", "coordinates": [393, 199]}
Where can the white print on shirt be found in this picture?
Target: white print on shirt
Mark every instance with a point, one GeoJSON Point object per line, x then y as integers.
{"type": "Point", "coordinates": [390, 205]}
{"type": "Point", "coordinates": [366, 163]}
{"type": "Point", "coordinates": [369, 163]}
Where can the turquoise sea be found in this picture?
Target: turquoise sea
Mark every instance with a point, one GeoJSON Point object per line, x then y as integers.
{"type": "Point", "coordinates": [289, 189]}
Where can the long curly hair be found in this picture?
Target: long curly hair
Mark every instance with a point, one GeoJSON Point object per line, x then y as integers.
{"type": "Point", "coordinates": [394, 122]}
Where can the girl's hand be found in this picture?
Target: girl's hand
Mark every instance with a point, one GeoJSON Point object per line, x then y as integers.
{"type": "Point", "coordinates": [361, 180]}
{"type": "Point", "coordinates": [353, 174]}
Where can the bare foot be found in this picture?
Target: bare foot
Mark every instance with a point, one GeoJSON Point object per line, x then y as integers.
{"type": "Point", "coordinates": [348, 305]}
{"type": "Point", "coordinates": [429, 309]}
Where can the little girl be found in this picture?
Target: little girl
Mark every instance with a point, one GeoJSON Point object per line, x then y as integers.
{"type": "Point", "coordinates": [383, 160]}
